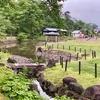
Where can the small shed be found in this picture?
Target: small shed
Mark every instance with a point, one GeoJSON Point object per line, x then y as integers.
{"type": "Point", "coordinates": [52, 34]}
{"type": "Point", "coordinates": [77, 33]}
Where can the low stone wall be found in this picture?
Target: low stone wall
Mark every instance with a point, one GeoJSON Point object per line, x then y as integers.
{"type": "Point", "coordinates": [55, 54]}
{"type": "Point", "coordinates": [73, 90]}
{"type": "Point", "coordinates": [70, 88]}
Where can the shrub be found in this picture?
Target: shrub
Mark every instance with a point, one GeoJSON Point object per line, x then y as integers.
{"type": "Point", "coordinates": [16, 87]}
{"type": "Point", "coordinates": [21, 36]}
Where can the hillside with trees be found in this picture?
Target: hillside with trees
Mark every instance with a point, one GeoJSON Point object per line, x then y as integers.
{"type": "Point", "coordinates": [28, 17]}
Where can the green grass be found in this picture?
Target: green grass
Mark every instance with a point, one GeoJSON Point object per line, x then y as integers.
{"type": "Point", "coordinates": [4, 56]}
{"type": "Point", "coordinates": [87, 76]}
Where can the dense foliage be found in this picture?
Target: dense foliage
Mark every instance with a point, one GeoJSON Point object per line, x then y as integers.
{"type": "Point", "coordinates": [16, 87]}
{"type": "Point", "coordinates": [29, 16]}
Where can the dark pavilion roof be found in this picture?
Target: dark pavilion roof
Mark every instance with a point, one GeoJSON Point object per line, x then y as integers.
{"type": "Point", "coordinates": [52, 31]}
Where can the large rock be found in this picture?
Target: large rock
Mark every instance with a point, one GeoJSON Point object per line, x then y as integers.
{"type": "Point", "coordinates": [72, 94]}
{"type": "Point", "coordinates": [11, 60]}
{"type": "Point", "coordinates": [35, 70]}
{"type": "Point", "coordinates": [39, 68]}
{"type": "Point", "coordinates": [91, 92]}
{"type": "Point", "coordinates": [33, 86]}
{"type": "Point", "coordinates": [96, 96]}
{"type": "Point", "coordinates": [53, 88]}
{"type": "Point", "coordinates": [62, 90]}
{"type": "Point", "coordinates": [39, 49]}
{"type": "Point", "coordinates": [76, 87]}
{"type": "Point", "coordinates": [19, 59]}
{"type": "Point", "coordinates": [67, 80]}
{"type": "Point", "coordinates": [45, 84]}
{"type": "Point", "coordinates": [40, 76]}
{"type": "Point", "coordinates": [51, 63]}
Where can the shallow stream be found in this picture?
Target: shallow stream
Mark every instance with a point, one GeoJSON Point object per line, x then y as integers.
{"type": "Point", "coordinates": [42, 93]}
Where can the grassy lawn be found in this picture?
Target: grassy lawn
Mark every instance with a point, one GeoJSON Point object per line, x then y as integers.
{"type": "Point", "coordinates": [87, 76]}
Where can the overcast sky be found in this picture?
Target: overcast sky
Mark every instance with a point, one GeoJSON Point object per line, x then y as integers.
{"type": "Point", "coordinates": [85, 10]}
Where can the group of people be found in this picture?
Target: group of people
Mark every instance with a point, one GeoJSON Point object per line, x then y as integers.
{"type": "Point", "coordinates": [91, 37]}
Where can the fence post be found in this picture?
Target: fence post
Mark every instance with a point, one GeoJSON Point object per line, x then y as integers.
{"type": "Point", "coordinates": [45, 43]}
{"type": "Point", "coordinates": [85, 53]}
{"type": "Point", "coordinates": [95, 54]}
{"type": "Point", "coordinates": [63, 47]}
{"type": "Point", "coordinates": [75, 49]}
{"type": "Point", "coordinates": [77, 57]}
{"type": "Point", "coordinates": [79, 67]}
{"type": "Point", "coordinates": [62, 62]}
{"type": "Point", "coordinates": [69, 57]}
{"type": "Point", "coordinates": [95, 70]}
{"type": "Point", "coordinates": [52, 46]}
{"type": "Point", "coordinates": [5, 49]}
{"type": "Point", "coordinates": [66, 64]}
{"type": "Point", "coordinates": [80, 49]}
{"type": "Point", "coordinates": [69, 48]}
{"type": "Point", "coordinates": [92, 54]}
{"type": "Point", "coordinates": [57, 46]}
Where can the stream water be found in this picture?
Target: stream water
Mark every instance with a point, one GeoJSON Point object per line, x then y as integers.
{"type": "Point", "coordinates": [42, 93]}
{"type": "Point", "coordinates": [26, 49]}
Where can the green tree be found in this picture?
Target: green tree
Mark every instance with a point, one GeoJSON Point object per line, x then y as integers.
{"type": "Point", "coordinates": [26, 16]}
{"type": "Point", "coordinates": [32, 18]}
{"type": "Point", "coordinates": [4, 23]}
{"type": "Point", "coordinates": [53, 8]}
{"type": "Point", "coordinates": [49, 22]}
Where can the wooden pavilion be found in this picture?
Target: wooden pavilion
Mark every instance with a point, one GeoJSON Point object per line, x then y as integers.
{"type": "Point", "coordinates": [52, 34]}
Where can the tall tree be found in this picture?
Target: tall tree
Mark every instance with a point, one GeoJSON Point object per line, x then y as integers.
{"type": "Point", "coordinates": [53, 9]}
{"type": "Point", "coordinates": [4, 23]}
{"type": "Point", "coordinates": [32, 17]}
{"type": "Point", "coordinates": [26, 16]}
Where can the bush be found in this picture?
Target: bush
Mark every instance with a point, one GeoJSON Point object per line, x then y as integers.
{"type": "Point", "coordinates": [21, 36]}
{"type": "Point", "coordinates": [16, 87]}
{"type": "Point", "coordinates": [2, 34]}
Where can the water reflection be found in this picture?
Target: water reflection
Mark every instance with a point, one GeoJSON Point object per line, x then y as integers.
{"type": "Point", "coordinates": [8, 45]}
{"type": "Point", "coordinates": [25, 49]}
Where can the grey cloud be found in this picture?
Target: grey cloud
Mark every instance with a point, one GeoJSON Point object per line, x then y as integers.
{"type": "Point", "coordinates": [86, 10]}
